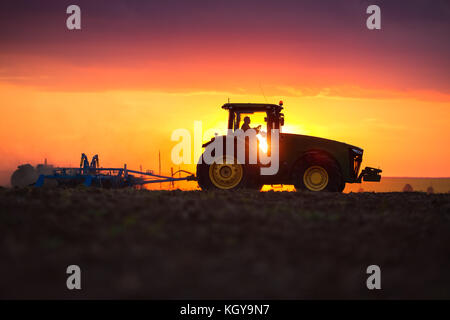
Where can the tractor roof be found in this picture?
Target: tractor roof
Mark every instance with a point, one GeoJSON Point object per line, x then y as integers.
{"type": "Point", "coordinates": [251, 107]}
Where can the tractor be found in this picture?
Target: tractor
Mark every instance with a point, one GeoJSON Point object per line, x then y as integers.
{"type": "Point", "coordinates": [307, 162]}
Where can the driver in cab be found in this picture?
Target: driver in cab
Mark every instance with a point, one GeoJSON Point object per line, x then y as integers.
{"type": "Point", "coordinates": [246, 125]}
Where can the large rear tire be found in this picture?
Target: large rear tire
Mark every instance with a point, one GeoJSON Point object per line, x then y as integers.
{"type": "Point", "coordinates": [317, 172]}
{"type": "Point", "coordinates": [229, 175]}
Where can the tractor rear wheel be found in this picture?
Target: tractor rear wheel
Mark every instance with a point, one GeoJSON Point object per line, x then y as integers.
{"type": "Point", "coordinates": [228, 175]}
{"type": "Point", "coordinates": [317, 172]}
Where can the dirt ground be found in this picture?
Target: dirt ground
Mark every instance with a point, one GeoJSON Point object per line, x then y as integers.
{"type": "Point", "coordinates": [231, 245]}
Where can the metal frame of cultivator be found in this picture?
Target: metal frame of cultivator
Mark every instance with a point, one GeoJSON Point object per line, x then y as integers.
{"type": "Point", "coordinates": [92, 175]}
{"type": "Point", "coordinates": [106, 177]}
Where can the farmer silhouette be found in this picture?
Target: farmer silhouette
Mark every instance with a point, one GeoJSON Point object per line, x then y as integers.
{"type": "Point", "coordinates": [246, 125]}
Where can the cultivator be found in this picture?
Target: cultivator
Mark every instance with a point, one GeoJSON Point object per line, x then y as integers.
{"type": "Point", "coordinates": [90, 174]}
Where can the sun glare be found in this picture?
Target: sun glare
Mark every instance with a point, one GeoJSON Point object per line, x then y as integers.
{"type": "Point", "coordinates": [262, 142]}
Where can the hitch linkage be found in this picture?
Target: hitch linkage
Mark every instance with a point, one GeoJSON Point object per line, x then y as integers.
{"type": "Point", "coordinates": [369, 174]}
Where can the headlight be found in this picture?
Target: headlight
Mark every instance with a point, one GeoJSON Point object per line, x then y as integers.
{"type": "Point", "coordinates": [357, 151]}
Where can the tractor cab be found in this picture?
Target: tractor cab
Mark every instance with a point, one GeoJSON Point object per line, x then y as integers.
{"type": "Point", "coordinates": [270, 114]}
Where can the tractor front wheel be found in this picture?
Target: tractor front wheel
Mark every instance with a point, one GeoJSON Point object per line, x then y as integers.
{"type": "Point", "coordinates": [317, 172]}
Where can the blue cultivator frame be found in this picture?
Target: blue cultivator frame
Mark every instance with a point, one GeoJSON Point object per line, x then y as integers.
{"type": "Point", "coordinates": [108, 177]}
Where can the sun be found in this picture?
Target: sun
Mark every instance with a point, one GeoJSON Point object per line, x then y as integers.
{"type": "Point", "coordinates": [262, 142]}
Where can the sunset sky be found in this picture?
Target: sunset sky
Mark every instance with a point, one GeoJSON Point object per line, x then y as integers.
{"type": "Point", "coordinates": [140, 69]}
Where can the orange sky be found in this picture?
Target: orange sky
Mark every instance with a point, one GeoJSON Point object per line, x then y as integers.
{"type": "Point", "coordinates": [119, 90]}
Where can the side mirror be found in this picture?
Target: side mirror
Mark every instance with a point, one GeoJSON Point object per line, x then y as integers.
{"type": "Point", "coordinates": [282, 120]}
